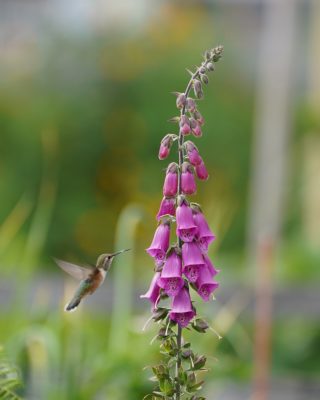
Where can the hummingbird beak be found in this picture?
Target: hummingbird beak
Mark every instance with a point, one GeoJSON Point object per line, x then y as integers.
{"type": "Point", "coordinates": [119, 252]}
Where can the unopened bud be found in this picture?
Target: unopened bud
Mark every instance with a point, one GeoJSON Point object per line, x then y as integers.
{"type": "Point", "coordinates": [216, 53]}
{"type": "Point", "coordinates": [181, 100]}
{"type": "Point", "coordinates": [197, 87]}
{"type": "Point", "coordinates": [165, 146]}
{"type": "Point", "coordinates": [191, 105]}
{"type": "Point", "coordinates": [210, 66]}
{"type": "Point", "coordinates": [202, 172]}
{"type": "Point", "coordinates": [198, 117]}
{"type": "Point", "coordinates": [204, 79]}
{"type": "Point", "coordinates": [188, 183]}
{"type": "Point", "coordinates": [202, 69]}
{"type": "Point", "coordinates": [196, 127]}
{"type": "Point", "coordinates": [185, 127]}
{"type": "Point", "coordinates": [193, 153]}
{"type": "Point", "coordinates": [170, 186]}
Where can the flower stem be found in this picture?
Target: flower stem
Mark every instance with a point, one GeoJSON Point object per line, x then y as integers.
{"type": "Point", "coordinates": [179, 337]}
{"type": "Point", "coordinates": [181, 156]}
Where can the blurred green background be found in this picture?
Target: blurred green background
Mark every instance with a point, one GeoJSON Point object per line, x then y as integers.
{"type": "Point", "coordinates": [84, 102]}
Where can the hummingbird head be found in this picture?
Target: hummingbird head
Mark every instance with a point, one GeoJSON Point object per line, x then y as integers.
{"type": "Point", "coordinates": [104, 260]}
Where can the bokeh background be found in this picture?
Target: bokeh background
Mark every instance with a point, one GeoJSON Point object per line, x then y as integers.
{"type": "Point", "coordinates": [84, 101]}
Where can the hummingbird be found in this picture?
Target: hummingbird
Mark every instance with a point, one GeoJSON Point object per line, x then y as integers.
{"type": "Point", "coordinates": [90, 277]}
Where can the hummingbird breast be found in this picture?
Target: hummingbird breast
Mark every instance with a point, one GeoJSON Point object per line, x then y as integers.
{"type": "Point", "coordinates": [96, 279]}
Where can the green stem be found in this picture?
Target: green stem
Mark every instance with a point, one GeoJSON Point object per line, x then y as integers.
{"type": "Point", "coordinates": [178, 365]}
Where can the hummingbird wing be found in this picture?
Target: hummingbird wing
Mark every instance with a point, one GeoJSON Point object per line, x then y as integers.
{"type": "Point", "coordinates": [74, 270]}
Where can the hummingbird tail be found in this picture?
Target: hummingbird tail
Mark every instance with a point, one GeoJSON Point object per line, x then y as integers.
{"type": "Point", "coordinates": [72, 306]}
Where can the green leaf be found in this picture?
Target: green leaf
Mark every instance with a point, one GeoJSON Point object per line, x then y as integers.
{"type": "Point", "coordinates": [166, 386]}
{"type": "Point", "coordinates": [195, 387]}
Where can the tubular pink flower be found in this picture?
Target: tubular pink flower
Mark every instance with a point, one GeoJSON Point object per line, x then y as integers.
{"type": "Point", "coordinates": [213, 271]}
{"type": "Point", "coordinates": [188, 182]}
{"type": "Point", "coordinates": [193, 261]}
{"type": "Point", "coordinates": [204, 284]}
{"type": "Point", "coordinates": [153, 293]}
{"type": "Point", "coordinates": [160, 243]}
{"type": "Point", "coordinates": [170, 186]}
{"type": "Point", "coordinates": [202, 172]}
{"type": "Point", "coordinates": [181, 308]}
{"type": "Point", "coordinates": [193, 153]}
{"type": "Point", "coordinates": [186, 228]}
{"type": "Point", "coordinates": [171, 281]}
{"type": "Point", "coordinates": [167, 206]}
{"type": "Point", "coordinates": [204, 233]}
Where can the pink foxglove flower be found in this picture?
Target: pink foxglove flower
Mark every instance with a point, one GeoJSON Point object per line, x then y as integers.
{"type": "Point", "coordinates": [204, 284]}
{"type": "Point", "coordinates": [193, 153]}
{"type": "Point", "coordinates": [181, 309]}
{"type": "Point", "coordinates": [186, 228]}
{"type": "Point", "coordinates": [204, 233]}
{"type": "Point", "coordinates": [153, 293]}
{"type": "Point", "coordinates": [170, 186]}
{"type": "Point", "coordinates": [167, 207]}
{"type": "Point", "coordinates": [171, 281]}
{"type": "Point", "coordinates": [184, 265]}
{"type": "Point", "coordinates": [188, 182]}
{"type": "Point", "coordinates": [160, 243]}
{"type": "Point", "coordinates": [192, 261]}
{"type": "Point", "coordinates": [213, 271]}
{"type": "Point", "coordinates": [202, 172]}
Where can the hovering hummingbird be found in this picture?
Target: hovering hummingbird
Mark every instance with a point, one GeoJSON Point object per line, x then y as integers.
{"type": "Point", "coordinates": [91, 278]}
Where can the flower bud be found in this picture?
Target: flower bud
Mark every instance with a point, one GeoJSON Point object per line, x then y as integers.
{"type": "Point", "coordinates": [198, 117]}
{"type": "Point", "coordinates": [184, 124]}
{"type": "Point", "coordinates": [197, 87]}
{"type": "Point", "coordinates": [202, 172]}
{"type": "Point", "coordinates": [188, 183]}
{"type": "Point", "coordinates": [181, 100]}
{"type": "Point", "coordinates": [165, 146]}
{"type": "Point", "coordinates": [196, 127]}
{"type": "Point", "coordinates": [202, 69]}
{"type": "Point", "coordinates": [210, 66]}
{"type": "Point", "coordinates": [170, 186]}
{"type": "Point", "coordinates": [193, 153]}
{"type": "Point", "coordinates": [204, 79]}
{"type": "Point", "coordinates": [191, 105]}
